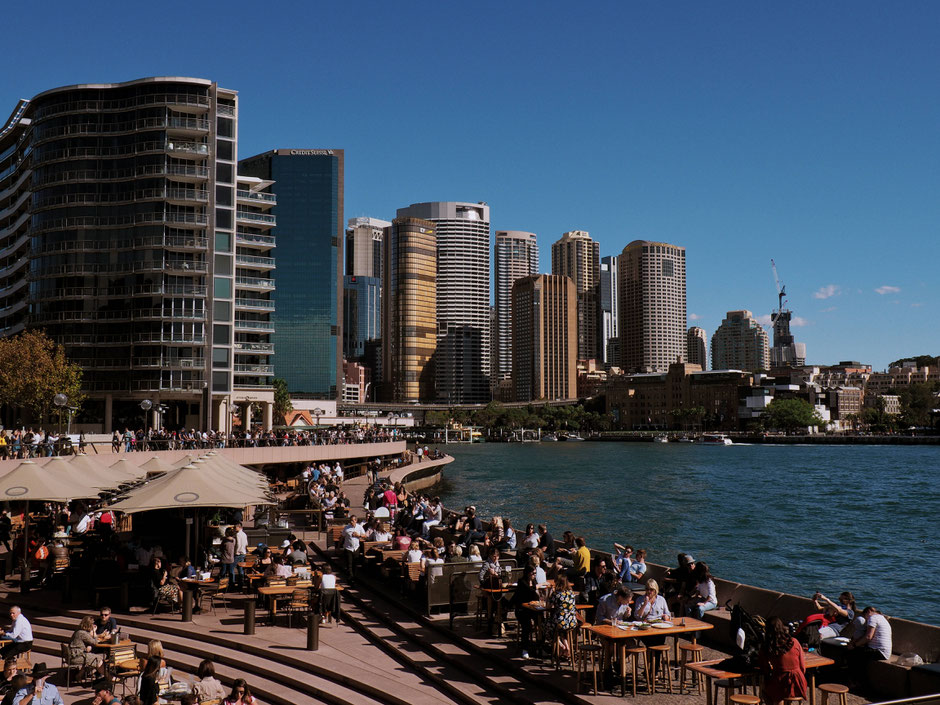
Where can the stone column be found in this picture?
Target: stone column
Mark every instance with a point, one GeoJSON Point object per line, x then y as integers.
{"type": "Point", "coordinates": [246, 416]}
{"type": "Point", "coordinates": [108, 413]}
{"type": "Point", "coordinates": [268, 415]}
{"type": "Point", "coordinates": [155, 416]}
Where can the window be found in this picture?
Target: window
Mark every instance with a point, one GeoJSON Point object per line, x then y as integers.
{"type": "Point", "coordinates": [223, 288]}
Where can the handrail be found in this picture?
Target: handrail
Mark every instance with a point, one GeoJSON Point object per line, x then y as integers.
{"type": "Point", "coordinates": [935, 697]}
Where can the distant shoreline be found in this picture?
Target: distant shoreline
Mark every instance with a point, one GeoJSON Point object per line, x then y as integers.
{"type": "Point", "coordinates": [896, 440]}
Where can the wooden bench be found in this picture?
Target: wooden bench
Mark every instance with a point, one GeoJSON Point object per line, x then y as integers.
{"type": "Point", "coordinates": [336, 534]}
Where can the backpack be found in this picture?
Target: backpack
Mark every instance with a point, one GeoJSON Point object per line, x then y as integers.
{"type": "Point", "coordinates": [808, 635]}
{"type": "Point", "coordinates": [747, 632]}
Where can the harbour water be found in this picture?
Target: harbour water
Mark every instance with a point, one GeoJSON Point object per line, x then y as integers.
{"type": "Point", "coordinates": [790, 518]}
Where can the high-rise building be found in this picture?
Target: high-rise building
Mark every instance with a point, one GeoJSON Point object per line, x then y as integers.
{"type": "Point", "coordinates": [364, 247]}
{"type": "Point", "coordinates": [652, 306]}
{"type": "Point", "coordinates": [515, 255]}
{"type": "Point", "coordinates": [608, 312]}
{"type": "Point", "coordinates": [409, 311]}
{"type": "Point", "coordinates": [309, 295]}
{"type": "Point", "coordinates": [696, 347]}
{"type": "Point", "coordinates": [462, 364]}
{"type": "Point", "coordinates": [544, 338]}
{"type": "Point", "coordinates": [121, 228]}
{"type": "Point", "coordinates": [740, 343]}
{"type": "Point", "coordinates": [577, 256]}
{"type": "Point", "coordinates": [786, 352]}
{"type": "Point", "coordinates": [362, 314]}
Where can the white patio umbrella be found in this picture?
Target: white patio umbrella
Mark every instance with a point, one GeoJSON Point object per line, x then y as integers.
{"type": "Point", "coordinates": [94, 473]}
{"type": "Point", "coordinates": [126, 468]}
{"type": "Point", "coordinates": [156, 466]}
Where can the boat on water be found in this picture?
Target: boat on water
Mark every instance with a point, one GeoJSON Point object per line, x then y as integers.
{"type": "Point", "coordinates": [715, 439]}
{"type": "Point", "coordinates": [570, 437]}
{"type": "Point", "coordinates": [685, 439]}
{"type": "Point", "coordinates": [660, 439]}
{"type": "Point", "coordinates": [549, 438]}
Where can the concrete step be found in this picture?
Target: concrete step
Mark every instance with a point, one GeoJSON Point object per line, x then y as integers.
{"type": "Point", "coordinates": [327, 679]}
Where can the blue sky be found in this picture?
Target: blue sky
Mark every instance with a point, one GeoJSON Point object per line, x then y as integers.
{"type": "Point", "coordinates": [804, 132]}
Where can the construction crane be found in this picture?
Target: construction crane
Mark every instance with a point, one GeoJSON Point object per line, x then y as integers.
{"type": "Point", "coordinates": [781, 293]}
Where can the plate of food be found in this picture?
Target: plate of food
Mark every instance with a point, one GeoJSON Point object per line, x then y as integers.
{"type": "Point", "coordinates": [661, 625]}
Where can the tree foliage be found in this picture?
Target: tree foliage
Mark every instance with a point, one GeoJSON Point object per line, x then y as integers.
{"type": "Point", "coordinates": [791, 415]}
{"type": "Point", "coordinates": [496, 417]}
{"type": "Point", "coordinates": [33, 369]}
{"type": "Point", "coordinates": [919, 360]}
{"type": "Point", "coordinates": [282, 403]}
{"type": "Point", "coordinates": [918, 402]}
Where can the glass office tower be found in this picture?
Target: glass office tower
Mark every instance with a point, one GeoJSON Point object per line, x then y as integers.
{"type": "Point", "coordinates": [308, 284]}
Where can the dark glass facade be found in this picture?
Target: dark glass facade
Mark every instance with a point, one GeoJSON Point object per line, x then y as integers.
{"type": "Point", "coordinates": [308, 294]}
{"type": "Point", "coordinates": [362, 314]}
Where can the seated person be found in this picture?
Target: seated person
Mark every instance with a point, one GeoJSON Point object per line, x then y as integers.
{"type": "Point", "coordinates": [623, 562]}
{"type": "Point", "coordinates": [380, 533]}
{"type": "Point", "coordinates": [546, 543]}
{"type": "Point", "coordinates": [652, 605]}
{"type": "Point", "coordinates": [615, 605]}
{"type": "Point", "coordinates": [638, 569]}
{"type": "Point", "coordinates": [414, 553]}
{"type": "Point", "coordinates": [453, 553]}
{"type": "Point", "coordinates": [208, 687]}
{"type": "Point", "coordinates": [105, 625]}
{"type": "Point", "coordinates": [298, 554]}
{"type": "Point", "coordinates": [703, 597]}
{"type": "Point", "coordinates": [837, 615]}
{"type": "Point", "coordinates": [430, 565]}
{"type": "Point", "coordinates": [473, 554]}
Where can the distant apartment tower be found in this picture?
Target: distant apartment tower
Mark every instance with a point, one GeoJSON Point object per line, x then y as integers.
{"type": "Point", "coordinates": [409, 315]}
{"type": "Point", "coordinates": [608, 312]}
{"type": "Point", "coordinates": [544, 338]}
{"type": "Point", "coordinates": [308, 316]}
{"type": "Point", "coordinates": [577, 256]}
{"type": "Point", "coordinates": [696, 347]}
{"type": "Point", "coordinates": [462, 363]}
{"type": "Point", "coordinates": [652, 306]}
{"type": "Point", "coordinates": [364, 247]}
{"type": "Point", "coordinates": [123, 232]}
{"type": "Point", "coordinates": [740, 343]}
{"type": "Point", "coordinates": [515, 255]}
{"type": "Point", "coordinates": [362, 315]}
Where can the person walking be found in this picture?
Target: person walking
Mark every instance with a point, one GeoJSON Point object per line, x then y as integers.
{"type": "Point", "coordinates": [352, 533]}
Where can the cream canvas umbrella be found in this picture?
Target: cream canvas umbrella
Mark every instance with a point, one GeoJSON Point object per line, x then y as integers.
{"type": "Point", "coordinates": [156, 466]}
{"type": "Point", "coordinates": [93, 472]}
{"type": "Point", "coordinates": [127, 469]}
{"type": "Point", "coordinates": [30, 481]}
{"type": "Point", "coordinates": [233, 472]}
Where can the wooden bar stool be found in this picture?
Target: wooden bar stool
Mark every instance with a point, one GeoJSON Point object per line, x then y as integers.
{"type": "Point", "coordinates": [792, 701]}
{"type": "Point", "coordinates": [742, 699]}
{"type": "Point", "coordinates": [594, 652]}
{"type": "Point", "coordinates": [730, 685]}
{"type": "Point", "coordinates": [835, 689]}
{"type": "Point", "coordinates": [663, 667]}
{"type": "Point", "coordinates": [634, 654]}
{"type": "Point", "coordinates": [571, 637]}
{"type": "Point", "coordinates": [691, 653]}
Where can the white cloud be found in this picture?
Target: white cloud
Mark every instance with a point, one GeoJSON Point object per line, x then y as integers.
{"type": "Point", "coordinates": [888, 290]}
{"type": "Point", "coordinates": [765, 320]}
{"type": "Point", "coordinates": [694, 317]}
{"type": "Point", "coordinates": [827, 291]}
{"type": "Point", "coordinates": [798, 322]}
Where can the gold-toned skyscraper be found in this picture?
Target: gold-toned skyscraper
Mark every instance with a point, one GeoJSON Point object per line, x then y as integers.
{"type": "Point", "coordinates": [577, 256]}
{"type": "Point", "coordinates": [544, 338]}
{"type": "Point", "coordinates": [409, 311]}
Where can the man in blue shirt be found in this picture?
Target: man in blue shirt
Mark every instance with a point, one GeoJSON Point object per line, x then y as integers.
{"type": "Point", "coordinates": [39, 692]}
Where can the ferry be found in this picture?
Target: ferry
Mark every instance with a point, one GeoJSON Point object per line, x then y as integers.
{"type": "Point", "coordinates": [571, 437]}
{"type": "Point", "coordinates": [660, 439]}
{"type": "Point", "coordinates": [715, 439]}
{"type": "Point", "coordinates": [549, 438]}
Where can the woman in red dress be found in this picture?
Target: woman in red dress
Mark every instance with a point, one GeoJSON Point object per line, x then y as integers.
{"type": "Point", "coordinates": [782, 662]}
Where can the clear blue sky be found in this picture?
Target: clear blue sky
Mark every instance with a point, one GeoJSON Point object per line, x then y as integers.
{"type": "Point", "coordinates": [803, 131]}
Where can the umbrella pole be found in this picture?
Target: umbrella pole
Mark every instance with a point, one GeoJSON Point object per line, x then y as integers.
{"type": "Point", "coordinates": [24, 573]}
{"type": "Point", "coordinates": [188, 523]}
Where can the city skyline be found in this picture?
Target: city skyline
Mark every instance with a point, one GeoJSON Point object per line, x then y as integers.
{"type": "Point", "coordinates": [742, 133]}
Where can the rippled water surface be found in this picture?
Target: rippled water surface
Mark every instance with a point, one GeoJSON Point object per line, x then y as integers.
{"type": "Point", "coordinates": [790, 518]}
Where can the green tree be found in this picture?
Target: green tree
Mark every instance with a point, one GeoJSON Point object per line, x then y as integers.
{"type": "Point", "coordinates": [917, 402]}
{"type": "Point", "coordinates": [791, 414]}
{"type": "Point", "coordinates": [33, 369]}
{"type": "Point", "coordinates": [282, 403]}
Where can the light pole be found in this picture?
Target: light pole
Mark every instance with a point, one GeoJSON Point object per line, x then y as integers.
{"type": "Point", "coordinates": [62, 401]}
{"type": "Point", "coordinates": [318, 412]}
{"type": "Point", "coordinates": [146, 405]}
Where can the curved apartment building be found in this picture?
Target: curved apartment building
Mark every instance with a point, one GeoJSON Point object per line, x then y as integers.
{"type": "Point", "coordinates": [118, 215]}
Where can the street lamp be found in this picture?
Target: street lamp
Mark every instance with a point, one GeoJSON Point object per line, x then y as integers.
{"type": "Point", "coordinates": [318, 412]}
{"type": "Point", "coordinates": [393, 418]}
{"type": "Point", "coordinates": [62, 401]}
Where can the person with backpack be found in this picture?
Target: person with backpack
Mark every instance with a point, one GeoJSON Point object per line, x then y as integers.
{"type": "Point", "coordinates": [781, 659]}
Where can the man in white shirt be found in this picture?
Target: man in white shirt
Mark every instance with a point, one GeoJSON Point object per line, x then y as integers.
{"type": "Point", "coordinates": [874, 644]}
{"type": "Point", "coordinates": [241, 551]}
{"type": "Point", "coordinates": [20, 635]}
{"type": "Point", "coordinates": [352, 532]}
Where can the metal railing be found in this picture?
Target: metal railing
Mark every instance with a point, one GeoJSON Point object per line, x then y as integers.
{"type": "Point", "coordinates": [254, 281]}
{"type": "Point", "coordinates": [254, 239]}
{"type": "Point", "coordinates": [255, 303]}
{"type": "Point", "coordinates": [256, 196]}
{"type": "Point", "coordinates": [260, 325]}
{"type": "Point", "coordinates": [258, 217]}
{"type": "Point", "coordinates": [254, 260]}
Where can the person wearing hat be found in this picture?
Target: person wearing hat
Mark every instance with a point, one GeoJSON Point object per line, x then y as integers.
{"type": "Point", "coordinates": [40, 692]}
{"type": "Point", "coordinates": [103, 694]}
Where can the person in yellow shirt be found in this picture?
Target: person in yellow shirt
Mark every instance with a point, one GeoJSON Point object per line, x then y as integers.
{"type": "Point", "coordinates": [582, 557]}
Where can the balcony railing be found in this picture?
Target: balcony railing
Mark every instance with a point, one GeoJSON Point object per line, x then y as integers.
{"type": "Point", "coordinates": [254, 261]}
{"type": "Point", "coordinates": [261, 348]}
{"type": "Point", "coordinates": [255, 369]}
{"type": "Point", "coordinates": [257, 217]}
{"type": "Point", "coordinates": [254, 325]}
{"type": "Point", "coordinates": [256, 196]}
{"type": "Point", "coordinates": [255, 303]}
{"type": "Point", "coordinates": [255, 282]}
{"type": "Point", "coordinates": [198, 148]}
{"type": "Point", "coordinates": [254, 239]}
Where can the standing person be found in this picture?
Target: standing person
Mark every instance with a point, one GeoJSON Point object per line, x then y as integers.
{"type": "Point", "coordinates": [227, 555]}
{"type": "Point", "coordinates": [20, 635]}
{"type": "Point", "coordinates": [352, 533]}
{"type": "Point", "coordinates": [781, 659]}
{"type": "Point", "coordinates": [41, 692]}
{"type": "Point", "coordinates": [149, 688]}
{"type": "Point", "coordinates": [241, 550]}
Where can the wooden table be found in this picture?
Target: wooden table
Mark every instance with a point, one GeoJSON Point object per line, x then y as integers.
{"type": "Point", "coordinates": [708, 669]}
{"type": "Point", "coordinates": [274, 593]}
{"type": "Point", "coordinates": [617, 638]}
{"type": "Point", "coordinates": [108, 646]}
{"type": "Point", "coordinates": [492, 601]}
